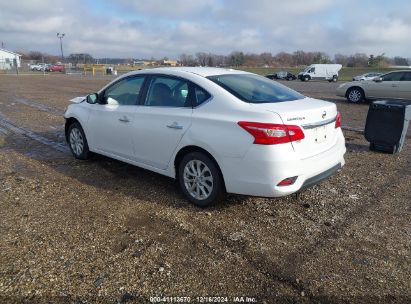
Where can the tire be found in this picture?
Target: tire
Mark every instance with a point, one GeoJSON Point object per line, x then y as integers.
{"type": "Point", "coordinates": [78, 142]}
{"type": "Point", "coordinates": [355, 95]}
{"type": "Point", "coordinates": [335, 78]}
{"type": "Point", "coordinates": [306, 78]}
{"type": "Point", "coordinates": [202, 189]}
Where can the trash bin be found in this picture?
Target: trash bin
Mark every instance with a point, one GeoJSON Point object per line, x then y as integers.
{"type": "Point", "coordinates": [387, 124]}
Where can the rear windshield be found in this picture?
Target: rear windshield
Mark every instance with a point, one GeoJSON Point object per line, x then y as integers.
{"type": "Point", "coordinates": [255, 89]}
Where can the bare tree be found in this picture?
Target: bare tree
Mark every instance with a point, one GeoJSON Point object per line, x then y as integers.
{"type": "Point", "coordinates": [187, 60]}
{"type": "Point", "coordinates": [202, 58]}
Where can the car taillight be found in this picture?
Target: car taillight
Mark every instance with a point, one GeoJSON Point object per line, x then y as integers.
{"type": "Point", "coordinates": [272, 134]}
{"type": "Point", "coordinates": [287, 181]}
{"type": "Point", "coordinates": [338, 120]}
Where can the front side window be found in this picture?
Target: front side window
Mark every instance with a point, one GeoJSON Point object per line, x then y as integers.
{"type": "Point", "coordinates": [125, 92]}
{"type": "Point", "coordinates": [393, 76]}
{"type": "Point", "coordinates": [406, 76]}
{"type": "Point", "coordinates": [167, 91]}
{"type": "Point", "coordinates": [255, 89]}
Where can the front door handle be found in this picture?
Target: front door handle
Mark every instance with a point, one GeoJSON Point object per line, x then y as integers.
{"type": "Point", "coordinates": [394, 86]}
{"type": "Point", "coordinates": [124, 119]}
{"type": "Point", "coordinates": [175, 125]}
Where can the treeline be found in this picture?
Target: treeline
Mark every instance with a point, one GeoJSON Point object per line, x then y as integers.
{"type": "Point", "coordinates": [39, 57]}
{"type": "Point", "coordinates": [283, 59]}
{"type": "Point", "coordinates": [236, 59]}
{"type": "Point", "coordinates": [44, 57]}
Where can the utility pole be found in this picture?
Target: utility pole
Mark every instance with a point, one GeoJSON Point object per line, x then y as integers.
{"type": "Point", "coordinates": [60, 36]}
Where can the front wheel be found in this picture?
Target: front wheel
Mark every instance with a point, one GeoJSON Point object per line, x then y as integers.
{"type": "Point", "coordinates": [306, 78]}
{"type": "Point", "coordinates": [200, 179]}
{"type": "Point", "coordinates": [78, 142]}
{"type": "Point", "coordinates": [355, 95]}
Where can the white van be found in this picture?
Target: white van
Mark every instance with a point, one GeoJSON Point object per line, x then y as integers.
{"type": "Point", "coordinates": [320, 71]}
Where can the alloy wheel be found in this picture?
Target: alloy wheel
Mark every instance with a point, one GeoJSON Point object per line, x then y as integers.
{"type": "Point", "coordinates": [198, 179]}
{"type": "Point", "coordinates": [76, 141]}
{"type": "Point", "coordinates": [355, 95]}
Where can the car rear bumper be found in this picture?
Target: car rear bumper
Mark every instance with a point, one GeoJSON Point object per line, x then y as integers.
{"type": "Point", "coordinates": [259, 172]}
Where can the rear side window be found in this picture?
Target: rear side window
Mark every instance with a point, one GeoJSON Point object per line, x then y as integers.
{"type": "Point", "coordinates": [167, 91]}
{"type": "Point", "coordinates": [255, 89]}
{"type": "Point", "coordinates": [200, 96]}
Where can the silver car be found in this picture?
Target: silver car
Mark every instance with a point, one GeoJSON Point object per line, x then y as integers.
{"type": "Point", "coordinates": [393, 85]}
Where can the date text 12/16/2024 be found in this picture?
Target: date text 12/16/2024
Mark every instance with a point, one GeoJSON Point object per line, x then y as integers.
{"type": "Point", "coordinates": [203, 299]}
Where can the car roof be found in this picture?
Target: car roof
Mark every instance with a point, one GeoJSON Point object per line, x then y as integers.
{"type": "Point", "coordinates": [201, 71]}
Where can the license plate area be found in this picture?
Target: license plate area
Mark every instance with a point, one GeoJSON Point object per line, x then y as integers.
{"type": "Point", "coordinates": [320, 134]}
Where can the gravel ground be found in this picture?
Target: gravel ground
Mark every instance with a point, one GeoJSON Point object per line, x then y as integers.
{"type": "Point", "coordinates": [102, 231]}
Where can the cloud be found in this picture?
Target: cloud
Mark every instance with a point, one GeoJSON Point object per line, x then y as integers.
{"type": "Point", "coordinates": [155, 28]}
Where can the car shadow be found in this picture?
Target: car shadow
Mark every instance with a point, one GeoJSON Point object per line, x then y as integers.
{"type": "Point", "coordinates": [352, 147]}
{"type": "Point", "coordinates": [110, 175]}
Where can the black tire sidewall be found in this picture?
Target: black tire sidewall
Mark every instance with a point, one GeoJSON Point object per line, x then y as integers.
{"type": "Point", "coordinates": [218, 188]}
{"type": "Point", "coordinates": [86, 152]}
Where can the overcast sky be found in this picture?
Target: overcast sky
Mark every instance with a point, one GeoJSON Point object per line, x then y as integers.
{"type": "Point", "coordinates": [158, 28]}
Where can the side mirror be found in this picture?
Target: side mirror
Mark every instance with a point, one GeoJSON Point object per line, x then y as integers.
{"type": "Point", "coordinates": [378, 79]}
{"type": "Point", "coordinates": [92, 98]}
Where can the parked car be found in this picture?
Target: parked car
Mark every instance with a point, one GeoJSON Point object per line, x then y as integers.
{"type": "Point", "coordinates": [56, 68]}
{"type": "Point", "coordinates": [285, 75]}
{"type": "Point", "coordinates": [393, 85]}
{"type": "Point", "coordinates": [214, 130]}
{"type": "Point", "coordinates": [38, 66]}
{"type": "Point", "coordinates": [320, 72]}
{"type": "Point", "coordinates": [366, 76]}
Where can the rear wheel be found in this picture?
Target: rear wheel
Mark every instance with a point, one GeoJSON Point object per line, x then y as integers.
{"type": "Point", "coordinates": [355, 95]}
{"type": "Point", "coordinates": [200, 179]}
{"type": "Point", "coordinates": [78, 142]}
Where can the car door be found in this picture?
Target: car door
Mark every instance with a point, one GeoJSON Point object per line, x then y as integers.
{"type": "Point", "coordinates": [405, 86]}
{"type": "Point", "coordinates": [161, 120]}
{"type": "Point", "coordinates": [110, 121]}
{"type": "Point", "coordinates": [387, 88]}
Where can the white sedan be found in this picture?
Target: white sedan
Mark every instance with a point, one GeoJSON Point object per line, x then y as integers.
{"type": "Point", "coordinates": [214, 130]}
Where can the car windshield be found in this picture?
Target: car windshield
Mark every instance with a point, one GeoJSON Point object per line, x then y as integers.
{"type": "Point", "coordinates": [255, 89]}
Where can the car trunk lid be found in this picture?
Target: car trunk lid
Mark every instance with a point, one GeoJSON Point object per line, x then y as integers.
{"type": "Point", "coordinates": [315, 117]}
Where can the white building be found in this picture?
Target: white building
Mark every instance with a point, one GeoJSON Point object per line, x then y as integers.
{"type": "Point", "coordinates": [9, 59]}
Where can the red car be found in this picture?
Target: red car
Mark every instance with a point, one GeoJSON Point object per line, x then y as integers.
{"type": "Point", "coordinates": [56, 68]}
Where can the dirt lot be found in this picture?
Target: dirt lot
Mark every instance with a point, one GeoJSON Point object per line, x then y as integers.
{"type": "Point", "coordinates": [105, 231]}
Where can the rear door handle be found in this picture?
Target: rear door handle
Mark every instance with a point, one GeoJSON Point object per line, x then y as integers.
{"type": "Point", "coordinates": [394, 86]}
{"type": "Point", "coordinates": [175, 125]}
{"type": "Point", "coordinates": [124, 119]}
